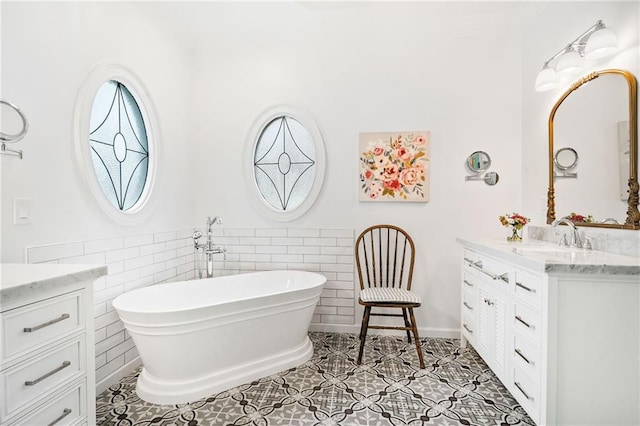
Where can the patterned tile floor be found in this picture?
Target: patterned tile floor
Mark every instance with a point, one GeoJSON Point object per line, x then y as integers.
{"type": "Point", "coordinates": [456, 388]}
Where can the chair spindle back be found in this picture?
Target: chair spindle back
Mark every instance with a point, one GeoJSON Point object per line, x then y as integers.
{"type": "Point", "coordinates": [385, 255]}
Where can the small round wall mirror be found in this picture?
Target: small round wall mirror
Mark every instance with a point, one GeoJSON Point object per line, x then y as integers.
{"type": "Point", "coordinates": [491, 178]}
{"type": "Point", "coordinates": [565, 159]}
{"type": "Point", "coordinates": [478, 162]}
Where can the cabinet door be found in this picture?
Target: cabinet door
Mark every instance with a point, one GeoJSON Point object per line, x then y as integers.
{"type": "Point", "coordinates": [499, 305]}
{"type": "Point", "coordinates": [492, 328]}
{"type": "Point", "coordinates": [485, 324]}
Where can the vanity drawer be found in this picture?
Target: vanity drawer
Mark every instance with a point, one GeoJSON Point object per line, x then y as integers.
{"type": "Point", "coordinates": [30, 381]}
{"type": "Point", "coordinates": [528, 287]}
{"type": "Point", "coordinates": [469, 281]}
{"type": "Point", "coordinates": [526, 392]}
{"type": "Point", "coordinates": [527, 321]}
{"type": "Point", "coordinates": [469, 328]}
{"type": "Point", "coordinates": [469, 301]}
{"type": "Point", "coordinates": [65, 409]}
{"type": "Point", "coordinates": [35, 325]}
{"type": "Point", "coordinates": [526, 356]}
{"type": "Point", "coordinates": [487, 269]}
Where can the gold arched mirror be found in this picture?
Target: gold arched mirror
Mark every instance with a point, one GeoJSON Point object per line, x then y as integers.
{"type": "Point", "coordinates": [600, 120]}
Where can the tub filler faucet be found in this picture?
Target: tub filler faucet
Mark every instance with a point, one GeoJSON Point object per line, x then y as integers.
{"type": "Point", "coordinates": [205, 252]}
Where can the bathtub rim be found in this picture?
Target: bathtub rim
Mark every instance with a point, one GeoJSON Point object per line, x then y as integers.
{"type": "Point", "coordinates": [161, 327]}
{"type": "Point", "coordinates": [117, 302]}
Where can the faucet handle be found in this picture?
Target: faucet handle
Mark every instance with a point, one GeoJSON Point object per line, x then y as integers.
{"type": "Point", "coordinates": [587, 243]}
{"type": "Point", "coordinates": [563, 240]}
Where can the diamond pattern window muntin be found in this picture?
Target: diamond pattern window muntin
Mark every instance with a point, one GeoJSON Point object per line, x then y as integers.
{"type": "Point", "coordinates": [284, 161]}
{"type": "Point", "coordinates": [119, 145]}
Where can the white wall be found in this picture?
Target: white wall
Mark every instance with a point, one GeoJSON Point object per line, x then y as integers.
{"type": "Point", "coordinates": [377, 67]}
{"type": "Point", "coordinates": [48, 49]}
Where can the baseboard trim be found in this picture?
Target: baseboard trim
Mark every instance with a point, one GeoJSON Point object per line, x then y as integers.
{"type": "Point", "coordinates": [448, 333]}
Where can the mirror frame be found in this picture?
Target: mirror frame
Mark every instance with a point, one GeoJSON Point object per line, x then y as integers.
{"type": "Point", "coordinates": [569, 167]}
{"type": "Point", "coordinates": [633, 215]}
{"type": "Point", "coordinates": [481, 170]}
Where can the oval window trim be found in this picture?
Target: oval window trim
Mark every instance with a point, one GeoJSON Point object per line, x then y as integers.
{"type": "Point", "coordinates": [100, 75]}
{"type": "Point", "coordinates": [259, 125]}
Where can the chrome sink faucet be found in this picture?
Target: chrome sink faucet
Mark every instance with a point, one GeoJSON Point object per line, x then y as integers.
{"type": "Point", "coordinates": [574, 237]}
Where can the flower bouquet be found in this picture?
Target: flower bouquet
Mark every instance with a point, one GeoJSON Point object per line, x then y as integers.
{"type": "Point", "coordinates": [575, 217]}
{"type": "Point", "coordinates": [516, 222]}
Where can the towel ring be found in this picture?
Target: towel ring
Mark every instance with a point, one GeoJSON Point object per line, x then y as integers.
{"type": "Point", "coordinates": [8, 138]}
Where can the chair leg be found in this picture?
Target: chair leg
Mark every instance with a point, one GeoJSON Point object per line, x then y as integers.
{"type": "Point", "coordinates": [363, 332]}
{"type": "Point", "coordinates": [406, 323]}
{"type": "Point", "coordinates": [414, 328]}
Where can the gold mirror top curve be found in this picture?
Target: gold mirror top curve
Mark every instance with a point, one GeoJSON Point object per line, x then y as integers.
{"type": "Point", "coordinates": [632, 220]}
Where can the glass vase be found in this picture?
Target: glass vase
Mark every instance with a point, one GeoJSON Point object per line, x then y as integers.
{"type": "Point", "coordinates": [515, 237]}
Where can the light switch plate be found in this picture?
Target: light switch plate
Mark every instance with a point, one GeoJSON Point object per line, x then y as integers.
{"type": "Point", "coordinates": [21, 211]}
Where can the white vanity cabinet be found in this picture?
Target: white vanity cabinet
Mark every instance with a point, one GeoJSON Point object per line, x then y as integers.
{"type": "Point", "coordinates": [486, 309]}
{"type": "Point", "coordinates": [561, 329]}
{"type": "Point", "coordinates": [47, 373]}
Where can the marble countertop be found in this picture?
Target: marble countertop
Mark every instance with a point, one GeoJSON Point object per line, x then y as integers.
{"type": "Point", "coordinates": [23, 281]}
{"type": "Point", "coordinates": [550, 258]}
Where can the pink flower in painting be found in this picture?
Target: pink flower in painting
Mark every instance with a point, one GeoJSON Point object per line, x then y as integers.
{"type": "Point", "coordinates": [392, 184]}
{"type": "Point", "coordinates": [377, 151]}
{"type": "Point", "coordinates": [390, 172]}
{"type": "Point", "coordinates": [368, 174]}
{"type": "Point", "coordinates": [403, 154]}
{"type": "Point", "coordinates": [419, 141]}
{"type": "Point", "coordinates": [374, 190]}
{"type": "Point", "coordinates": [409, 177]}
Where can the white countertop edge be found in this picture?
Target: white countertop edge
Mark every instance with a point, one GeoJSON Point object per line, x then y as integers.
{"type": "Point", "coordinates": [553, 259]}
{"type": "Point", "coordinates": [21, 281]}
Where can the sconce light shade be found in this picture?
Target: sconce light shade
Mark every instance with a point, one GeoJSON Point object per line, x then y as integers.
{"type": "Point", "coordinates": [547, 79]}
{"type": "Point", "coordinates": [596, 42]}
{"type": "Point", "coordinates": [569, 63]}
{"type": "Point", "coordinates": [601, 43]}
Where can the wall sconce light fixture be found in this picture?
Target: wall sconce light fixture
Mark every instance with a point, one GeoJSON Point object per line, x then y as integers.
{"type": "Point", "coordinates": [596, 42]}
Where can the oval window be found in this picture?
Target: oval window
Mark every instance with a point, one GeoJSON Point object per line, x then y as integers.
{"type": "Point", "coordinates": [116, 144]}
{"type": "Point", "coordinates": [119, 145]}
{"type": "Point", "coordinates": [287, 163]}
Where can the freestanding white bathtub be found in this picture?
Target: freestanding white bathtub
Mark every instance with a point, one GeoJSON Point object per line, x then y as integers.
{"type": "Point", "coordinates": [197, 338]}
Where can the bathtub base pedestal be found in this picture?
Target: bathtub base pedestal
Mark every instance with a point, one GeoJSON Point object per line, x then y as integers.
{"type": "Point", "coordinates": [164, 392]}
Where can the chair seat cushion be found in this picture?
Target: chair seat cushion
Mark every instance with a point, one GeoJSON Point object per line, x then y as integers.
{"type": "Point", "coordinates": [388, 295]}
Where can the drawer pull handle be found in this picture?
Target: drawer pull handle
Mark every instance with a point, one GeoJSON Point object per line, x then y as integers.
{"type": "Point", "coordinates": [64, 365]}
{"type": "Point", "coordinates": [523, 357]}
{"type": "Point", "coordinates": [46, 324]}
{"type": "Point", "coordinates": [478, 266]}
{"type": "Point", "coordinates": [524, 322]}
{"type": "Point", "coordinates": [530, 290]}
{"type": "Point", "coordinates": [467, 306]}
{"type": "Point", "coordinates": [519, 386]}
{"type": "Point", "coordinates": [467, 328]}
{"type": "Point", "coordinates": [488, 301]}
{"type": "Point", "coordinates": [467, 283]}
{"type": "Point", "coordinates": [64, 414]}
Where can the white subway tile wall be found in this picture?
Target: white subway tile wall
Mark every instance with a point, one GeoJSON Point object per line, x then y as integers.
{"type": "Point", "coordinates": [143, 260]}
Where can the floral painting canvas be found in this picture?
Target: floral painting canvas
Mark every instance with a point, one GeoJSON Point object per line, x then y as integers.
{"type": "Point", "coordinates": [394, 166]}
